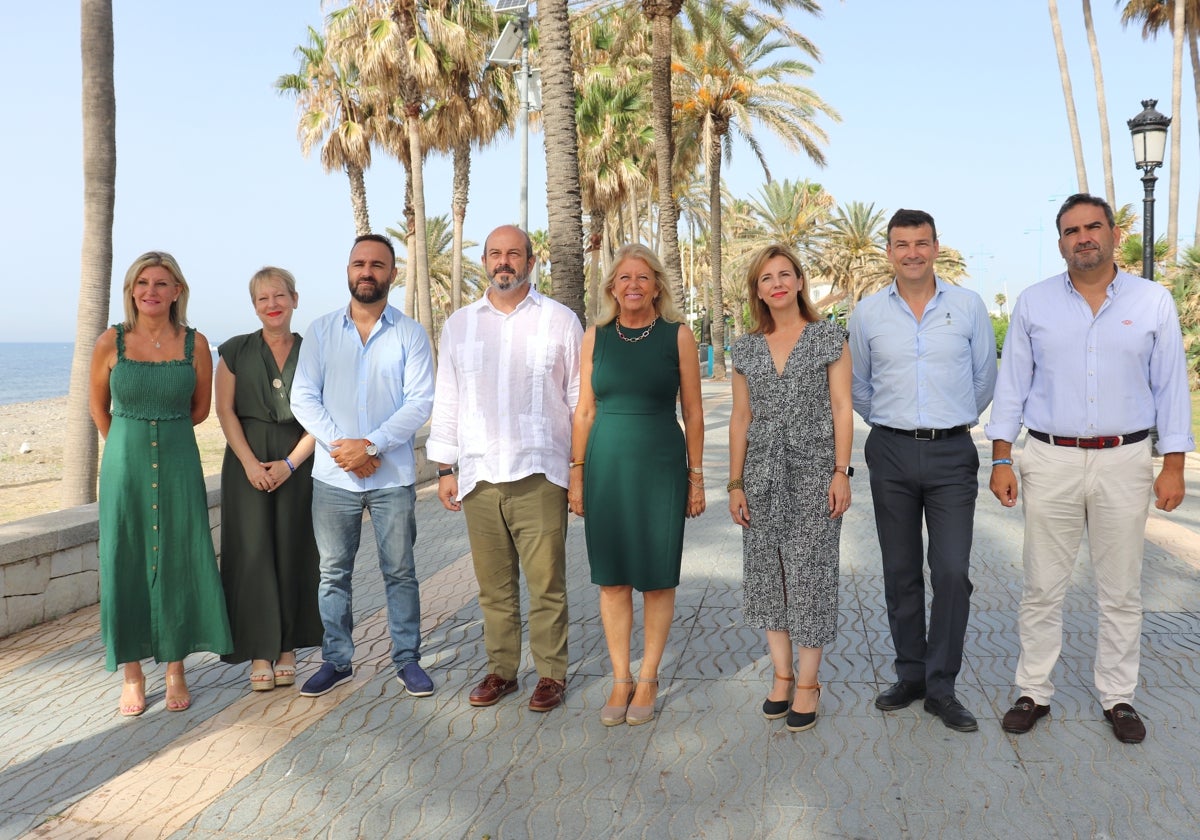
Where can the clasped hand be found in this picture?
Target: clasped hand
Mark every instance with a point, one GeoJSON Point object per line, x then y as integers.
{"type": "Point", "coordinates": [351, 455]}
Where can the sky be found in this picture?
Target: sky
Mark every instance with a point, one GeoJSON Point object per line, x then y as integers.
{"type": "Point", "coordinates": [951, 107]}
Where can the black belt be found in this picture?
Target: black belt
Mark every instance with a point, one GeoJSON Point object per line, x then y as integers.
{"type": "Point", "coordinates": [927, 434]}
{"type": "Point", "coordinates": [1101, 442]}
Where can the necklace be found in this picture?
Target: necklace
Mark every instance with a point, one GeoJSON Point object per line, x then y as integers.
{"type": "Point", "coordinates": [157, 341]}
{"type": "Point", "coordinates": [645, 332]}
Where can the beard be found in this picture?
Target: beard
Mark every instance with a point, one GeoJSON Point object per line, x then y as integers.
{"type": "Point", "coordinates": [369, 292]}
{"type": "Point", "coordinates": [1089, 258]}
{"type": "Point", "coordinates": [505, 283]}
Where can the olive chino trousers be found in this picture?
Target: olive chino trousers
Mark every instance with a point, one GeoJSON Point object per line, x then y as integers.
{"type": "Point", "coordinates": [514, 527]}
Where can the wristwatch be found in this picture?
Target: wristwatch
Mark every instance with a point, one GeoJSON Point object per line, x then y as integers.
{"type": "Point", "coordinates": [372, 450]}
{"type": "Point", "coordinates": [849, 471]}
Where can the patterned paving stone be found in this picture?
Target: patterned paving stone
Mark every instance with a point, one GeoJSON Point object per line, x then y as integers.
{"type": "Point", "coordinates": [369, 761]}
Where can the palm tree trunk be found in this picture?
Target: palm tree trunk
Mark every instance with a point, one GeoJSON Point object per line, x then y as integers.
{"type": "Point", "coordinates": [714, 249]}
{"type": "Point", "coordinates": [358, 199]}
{"type": "Point", "coordinates": [95, 272]}
{"type": "Point", "coordinates": [1072, 119]}
{"type": "Point", "coordinates": [1110, 193]}
{"type": "Point", "coordinates": [662, 14]}
{"type": "Point", "coordinates": [1195, 56]}
{"type": "Point", "coordinates": [410, 247]}
{"type": "Point", "coordinates": [564, 209]}
{"type": "Point", "coordinates": [458, 210]}
{"type": "Point", "coordinates": [595, 243]}
{"type": "Point", "coordinates": [1178, 31]}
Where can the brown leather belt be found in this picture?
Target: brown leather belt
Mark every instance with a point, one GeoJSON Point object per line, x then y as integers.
{"type": "Point", "coordinates": [1102, 442]}
{"type": "Point", "coordinates": [926, 434]}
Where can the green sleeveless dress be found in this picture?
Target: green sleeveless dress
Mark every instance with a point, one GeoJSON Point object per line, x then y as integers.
{"type": "Point", "coordinates": [160, 591]}
{"type": "Point", "coordinates": [635, 475]}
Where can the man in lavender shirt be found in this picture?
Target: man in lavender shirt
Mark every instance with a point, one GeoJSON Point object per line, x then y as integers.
{"type": "Point", "coordinates": [1093, 360]}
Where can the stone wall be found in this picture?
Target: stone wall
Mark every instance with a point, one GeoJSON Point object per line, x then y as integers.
{"type": "Point", "coordinates": [49, 565]}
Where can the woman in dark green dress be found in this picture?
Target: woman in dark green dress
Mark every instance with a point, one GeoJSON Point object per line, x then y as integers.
{"type": "Point", "coordinates": [160, 592]}
{"type": "Point", "coordinates": [269, 559]}
{"type": "Point", "coordinates": [632, 469]}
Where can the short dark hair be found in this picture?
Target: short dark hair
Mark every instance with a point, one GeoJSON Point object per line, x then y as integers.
{"type": "Point", "coordinates": [910, 219]}
{"type": "Point", "coordinates": [381, 239]}
{"type": "Point", "coordinates": [1084, 198]}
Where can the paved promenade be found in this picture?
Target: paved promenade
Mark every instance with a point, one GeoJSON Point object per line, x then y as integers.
{"type": "Point", "coordinates": [369, 761]}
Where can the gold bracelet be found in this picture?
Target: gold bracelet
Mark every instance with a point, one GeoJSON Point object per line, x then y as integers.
{"type": "Point", "coordinates": [694, 484]}
{"type": "Point", "coordinates": [696, 470]}
{"type": "Point", "coordinates": [734, 484]}
{"type": "Point", "coordinates": [574, 464]}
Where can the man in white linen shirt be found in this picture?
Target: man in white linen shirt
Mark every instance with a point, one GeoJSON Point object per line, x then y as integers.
{"type": "Point", "coordinates": [1093, 359]}
{"type": "Point", "coordinates": [507, 385]}
{"type": "Point", "coordinates": [363, 387]}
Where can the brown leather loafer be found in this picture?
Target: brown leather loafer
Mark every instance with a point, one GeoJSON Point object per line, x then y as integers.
{"type": "Point", "coordinates": [548, 695]}
{"type": "Point", "coordinates": [489, 692]}
{"type": "Point", "coordinates": [1023, 715]}
{"type": "Point", "coordinates": [1126, 724]}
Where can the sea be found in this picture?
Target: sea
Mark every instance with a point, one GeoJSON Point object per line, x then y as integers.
{"type": "Point", "coordinates": [31, 372]}
{"type": "Point", "coordinates": [36, 371]}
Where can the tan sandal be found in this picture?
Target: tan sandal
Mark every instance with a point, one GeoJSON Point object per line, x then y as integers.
{"type": "Point", "coordinates": [637, 715]}
{"type": "Point", "coordinates": [615, 715]}
{"type": "Point", "coordinates": [178, 700]}
{"type": "Point", "coordinates": [137, 706]}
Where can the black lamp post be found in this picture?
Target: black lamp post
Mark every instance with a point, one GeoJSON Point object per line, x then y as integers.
{"type": "Point", "coordinates": [1149, 130]}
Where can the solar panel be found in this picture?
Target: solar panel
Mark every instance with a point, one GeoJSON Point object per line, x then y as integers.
{"type": "Point", "coordinates": [511, 5]}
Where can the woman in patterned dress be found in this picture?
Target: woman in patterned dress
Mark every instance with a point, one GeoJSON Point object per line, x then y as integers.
{"type": "Point", "coordinates": [150, 383]}
{"type": "Point", "coordinates": [789, 466]}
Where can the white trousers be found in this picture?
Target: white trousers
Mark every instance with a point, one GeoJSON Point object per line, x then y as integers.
{"type": "Point", "coordinates": [1108, 492]}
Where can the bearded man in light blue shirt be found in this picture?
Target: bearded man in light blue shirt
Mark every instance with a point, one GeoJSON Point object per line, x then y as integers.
{"type": "Point", "coordinates": [1093, 360]}
{"type": "Point", "coordinates": [363, 387]}
{"type": "Point", "coordinates": [924, 358]}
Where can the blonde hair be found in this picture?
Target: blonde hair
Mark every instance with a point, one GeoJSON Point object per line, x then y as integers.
{"type": "Point", "coordinates": [268, 273]}
{"type": "Point", "coordinates": [760, 313]}
{"type": "Point", "coordinates": [664, 301]}
{"type": "Point", "coordinates": [151, 259]}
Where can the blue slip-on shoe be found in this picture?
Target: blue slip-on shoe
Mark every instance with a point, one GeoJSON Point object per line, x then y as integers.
{"type": "Point", "coordinates": [325, 680]}
{"type": "Point", "coordinates": [415, 681]}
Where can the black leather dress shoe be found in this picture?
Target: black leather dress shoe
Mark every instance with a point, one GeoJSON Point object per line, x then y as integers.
{"type": "Point", "coordinates": [899, 695]}
{"type": "Point", "coordinates": [952, 713]}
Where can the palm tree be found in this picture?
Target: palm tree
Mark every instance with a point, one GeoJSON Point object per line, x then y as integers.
{"type": "Point", "coordinates": [476, 104]}
{"type": "Point", "coordinates": [729, 78]}
{"type": "Point", "coordinates": [1181, 18]}
{"type": "Point", "coordinates": [662, 14]}
{"type": "Point", "coordinates": [794, 213]}
{"type": "Point", "coordinates": [333, 115]}
{"type": "Point", "coordinates": [1072, 119]}
{"type": "Point", "coordinates": [1110, 192]}
{"type": "Point", "coordinates": [855, 256]}
{"type": "Point", "coordinates": [563, 205]}
{"type": "Point", "coordinates": [96, 250]}
{"type": "Point", "coordinates": [440, 249]}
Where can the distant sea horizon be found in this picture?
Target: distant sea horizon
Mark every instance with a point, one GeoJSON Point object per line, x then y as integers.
{"type": "Point", "coordinates": [31, 371]}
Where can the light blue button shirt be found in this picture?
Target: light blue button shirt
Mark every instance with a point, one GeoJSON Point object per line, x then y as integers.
{"type": "Point", "coordinates": [1068, 372]}
{"type": "Point", "coordinates": [934, 374]}
{"type": "Point", "coordinates": [381, 391]}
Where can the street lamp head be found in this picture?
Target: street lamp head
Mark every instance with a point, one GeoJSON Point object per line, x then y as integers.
{"type": "Point", "coordinates": [1149, 131]}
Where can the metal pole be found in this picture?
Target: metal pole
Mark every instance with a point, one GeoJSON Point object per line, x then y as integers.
{"type": "Point", "coordinates": [525, 126]}
{"type": "Point", "coordinates": [1148, 225]}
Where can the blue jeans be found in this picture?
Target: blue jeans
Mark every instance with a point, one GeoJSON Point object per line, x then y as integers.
{"type": "Point", "coordinates": [337, 525]}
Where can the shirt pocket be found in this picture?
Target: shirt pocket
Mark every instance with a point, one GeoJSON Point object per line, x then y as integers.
{"type": "Point", "coordinates": [468, 357]}
{"type": "Point", "coordinates": [541, 352]}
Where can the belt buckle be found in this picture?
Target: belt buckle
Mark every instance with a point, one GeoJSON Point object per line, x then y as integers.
{"type": "Point", "coordinates": [924, 434]}
{"type": "Point", "coordinates": [1099, 442]}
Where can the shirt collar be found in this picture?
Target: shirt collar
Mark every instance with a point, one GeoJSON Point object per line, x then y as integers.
{"type": "Point", "coordinates": [1114, 286]}
{"type": "Point", "coordinates": [534, 298]}
{"type": "Point", "coordinates": [388, 316]}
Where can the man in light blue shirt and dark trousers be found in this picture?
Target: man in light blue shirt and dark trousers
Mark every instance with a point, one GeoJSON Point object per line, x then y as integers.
{"type": "Point", "coordinates": [924, 359]}
{"type": "Point", "coordinates": [1093, 361]}
{"type": "Point", "coordinates": [363, 386]}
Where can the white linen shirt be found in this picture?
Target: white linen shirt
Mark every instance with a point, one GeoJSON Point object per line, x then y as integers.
{"type": "Point", "coordinates": [507, 386]}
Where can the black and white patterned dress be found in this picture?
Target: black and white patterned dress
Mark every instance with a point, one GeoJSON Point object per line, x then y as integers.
{"type": "Point", "coordinates": [790, 550]}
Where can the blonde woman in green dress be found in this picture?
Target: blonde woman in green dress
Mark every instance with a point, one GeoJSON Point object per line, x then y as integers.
{"type": "Point", "coordinates": [150, 383]}
{"type": "Point", "coordinates": [636, 474]}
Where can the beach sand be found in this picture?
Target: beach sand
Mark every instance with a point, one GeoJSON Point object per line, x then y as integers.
{"type": "Point", "coordinates": [30, 482]}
